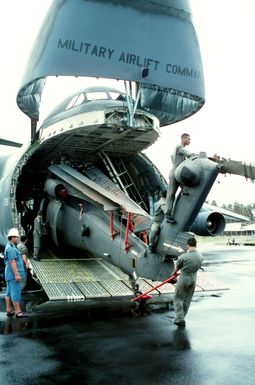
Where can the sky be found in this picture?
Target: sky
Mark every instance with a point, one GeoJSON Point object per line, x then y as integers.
{"type": "Point", "coordinates": [225, 125]}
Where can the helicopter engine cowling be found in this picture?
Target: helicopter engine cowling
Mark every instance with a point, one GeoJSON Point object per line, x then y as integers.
{"type": "Point", "coordinates": [55, 189]}
{"type": "Point", "coordinates": [188, 173]}
{"type": "Point", "coordinates": [209, 223]}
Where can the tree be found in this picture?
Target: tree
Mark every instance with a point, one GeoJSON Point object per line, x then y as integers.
{"type": "Point", "coordinates": [240, 208]}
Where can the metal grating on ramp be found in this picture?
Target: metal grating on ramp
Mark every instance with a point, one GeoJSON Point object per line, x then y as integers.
{"type": "Point", "coordinates": [52, 271]}
{"type": "Point", "coordinates": [165, 289]}
{"type": "Point", "coordinates": [117, 288]}
{"type": "Point", "coordinates": [143, 284]}
{"type": "Point", "coordinates": [93, 290]}
{"type": "Point", "coordinates": [62, 270]}
{"type": "Point", "coordinates": [98, 271]}
{"type": "Point", "coordinates": [80, 279]}
{"type": "Point", "coordinates": [63, 291]}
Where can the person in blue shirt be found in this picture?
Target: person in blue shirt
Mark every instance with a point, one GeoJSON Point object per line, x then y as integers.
{"type": "Point", "coordinates": [14, 272]}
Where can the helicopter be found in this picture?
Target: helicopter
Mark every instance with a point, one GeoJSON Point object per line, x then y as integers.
{"type": "Point", "coordinates": [84, 167]}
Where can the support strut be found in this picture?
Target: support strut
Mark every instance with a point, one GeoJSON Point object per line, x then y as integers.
{"type": "Point", "coordinates": [145, 294]}
{"type": "Point", "coordinates": [129, 227]}
{"type": "Point", "coordinates": [113, 231]}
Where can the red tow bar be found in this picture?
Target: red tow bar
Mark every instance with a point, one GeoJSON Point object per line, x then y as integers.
{"type": "Point", "coordinates": [145, 294]}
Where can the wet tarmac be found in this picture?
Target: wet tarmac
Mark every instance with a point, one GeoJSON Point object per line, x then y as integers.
{"type": "Point", "coordinates": [107, 344]}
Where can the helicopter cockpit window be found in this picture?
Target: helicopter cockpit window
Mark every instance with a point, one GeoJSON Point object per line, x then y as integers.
{"type": "Point", "coordinates": [115, 95]}
{"type": "Point", "coordinates": [75, 101]}
{"type": "Point", "coordinates": [96, 96]}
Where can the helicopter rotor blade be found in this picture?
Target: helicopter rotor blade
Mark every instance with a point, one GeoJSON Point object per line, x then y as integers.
{"type": "Point", "coordinates": [5, 142]}
{"type": "Point", "coordinates": [238, 168]}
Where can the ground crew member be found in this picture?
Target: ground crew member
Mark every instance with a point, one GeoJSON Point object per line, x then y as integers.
{"type": "Point", "coordinates": [24, 255]}
{"type": "Point", "coordinates": [14, 272]}
{"type": "Point", "coordinates": [37, 235]}
{"type": "Point", "coordinates": [179, 155]}
{"type": "Point", "coordinates": [159, 214]}
{"type": "Point", "coordinates": [189, 263]}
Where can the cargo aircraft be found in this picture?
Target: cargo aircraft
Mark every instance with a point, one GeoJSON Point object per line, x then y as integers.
{"type": "Point", "coordinates": [85, 168]}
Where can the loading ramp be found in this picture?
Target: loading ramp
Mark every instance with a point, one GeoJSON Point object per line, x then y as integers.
{"type": "Point", "coordinates": [86, 279]}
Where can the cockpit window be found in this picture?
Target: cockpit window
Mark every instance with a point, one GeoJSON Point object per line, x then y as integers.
{"type": "Point", "coordinates": [96, 95]}
{"type": "Point", "coordinates": [93, 95]}
{"type": "Point", "coordinates": [75, 101]}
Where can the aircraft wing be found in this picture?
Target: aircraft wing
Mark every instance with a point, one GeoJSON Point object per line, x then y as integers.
{"type": "Point", "coordinates": [229, 216]}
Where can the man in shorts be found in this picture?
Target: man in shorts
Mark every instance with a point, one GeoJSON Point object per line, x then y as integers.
{"type": "Point", "coordinates": [14, 272]}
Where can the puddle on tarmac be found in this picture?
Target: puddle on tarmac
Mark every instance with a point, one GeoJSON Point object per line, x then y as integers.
{"type": "Point", "coordinates": [57, 315]}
